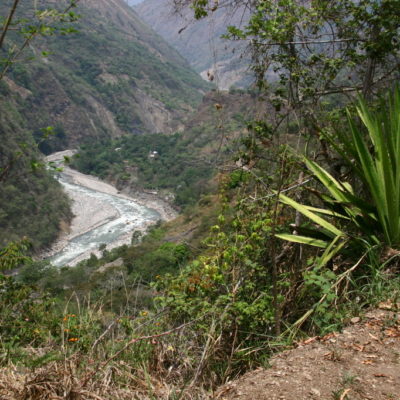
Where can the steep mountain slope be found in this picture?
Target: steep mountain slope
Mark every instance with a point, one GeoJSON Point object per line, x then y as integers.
{"type": "Point", "coordinates": [32, 203]}
{"type": "Point", "coordinates": [200, 42]}
{"type": "Point", "coordinates": [180, 167]}
{"type": "Point", "coordinates": [114, 76]}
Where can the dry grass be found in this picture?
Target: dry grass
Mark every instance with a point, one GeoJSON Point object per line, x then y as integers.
{"type": "Point", "coordinates": [107, 373]}
{"type": "Point", "coordinates": [68, 381]}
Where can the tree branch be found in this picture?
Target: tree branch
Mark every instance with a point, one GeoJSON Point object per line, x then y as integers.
{"type": "Point", "coordinates": [302, 42]}
{"type": "Point", "coordinates": [8, 22]}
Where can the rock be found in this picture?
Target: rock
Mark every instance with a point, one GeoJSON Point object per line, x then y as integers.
{"type": "Point", "coordinates": [315, 392]}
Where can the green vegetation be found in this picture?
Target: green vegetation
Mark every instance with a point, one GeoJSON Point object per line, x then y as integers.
{"type": "Point", "coordinates": [101, 90]}
{"type": "Point", "coordinates": [374, 160]}
{"type": "Point", "coordinates": [32, 203]}
{"type": "Point", "coordinates": [153, 258]}
{"type": "Point", "coordinates": [197, 302]}
{"type": "Point", "coordinates": [172, 167]}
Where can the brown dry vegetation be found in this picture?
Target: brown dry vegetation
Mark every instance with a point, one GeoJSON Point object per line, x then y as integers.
{"type": "Point", "coordinates": [65, 380]}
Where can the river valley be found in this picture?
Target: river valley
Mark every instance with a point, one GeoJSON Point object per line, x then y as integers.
{"type": "Point", "coordinates": [102, 216]}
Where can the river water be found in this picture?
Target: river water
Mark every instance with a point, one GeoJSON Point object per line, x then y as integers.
{"type": "Point", "coordinates": [100, 218]}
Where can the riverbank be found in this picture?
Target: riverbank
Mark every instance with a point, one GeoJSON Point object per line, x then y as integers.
{"type": "Point", "coordinates": [144, 199]}
{"type": "Point", "coordinates": [91, 213]}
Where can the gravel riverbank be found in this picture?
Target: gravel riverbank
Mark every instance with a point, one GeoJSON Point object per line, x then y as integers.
{"type": "Point", "coordinates": [90, 213]}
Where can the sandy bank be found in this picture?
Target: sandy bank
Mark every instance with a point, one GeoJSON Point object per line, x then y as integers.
{"type": "Point", "coordinates": [90, 213]}
{"type": "Point", "coordinates": [150, 201]}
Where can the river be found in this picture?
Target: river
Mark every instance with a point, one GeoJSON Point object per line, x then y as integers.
{"type": "Point", "coordinates": [102, 215]}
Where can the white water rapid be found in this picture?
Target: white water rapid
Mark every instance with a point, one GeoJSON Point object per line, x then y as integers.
{"type": "Point", "coordinates": [102, 216]}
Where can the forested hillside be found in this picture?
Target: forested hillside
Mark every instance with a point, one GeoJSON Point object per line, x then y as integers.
{"type": "Point", "coordinates": [289, 225]}
{"type": "Point", "coordinates": [32, 203]}
{"type": "Point", "coordinates": [113, 76]}
{"type": "Point", "coordinates": [110, 76]}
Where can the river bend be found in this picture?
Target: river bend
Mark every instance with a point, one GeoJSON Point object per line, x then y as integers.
{"type": "Point", "coordinates": [102, 216]}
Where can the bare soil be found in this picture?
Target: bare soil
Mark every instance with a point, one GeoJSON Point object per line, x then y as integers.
{"type": "Point", "coordinates": [362, 362]}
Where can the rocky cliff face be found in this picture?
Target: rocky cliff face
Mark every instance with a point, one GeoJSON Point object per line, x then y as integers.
{"type": "Point", "coordinates": [200, 42]}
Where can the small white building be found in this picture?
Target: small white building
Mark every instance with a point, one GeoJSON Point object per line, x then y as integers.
{"type": "Point", "coordinates": [153, 154]}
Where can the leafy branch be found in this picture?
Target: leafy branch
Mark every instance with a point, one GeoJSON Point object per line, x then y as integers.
{"type": "Point", "coordinates": [43, 28]}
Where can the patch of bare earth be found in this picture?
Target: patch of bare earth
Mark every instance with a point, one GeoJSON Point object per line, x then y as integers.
{"type": "Point", "coordinates": [362, 362]}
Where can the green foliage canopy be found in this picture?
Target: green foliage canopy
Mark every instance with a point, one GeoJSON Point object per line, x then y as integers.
{"type": "Point", "coordinates": [317, 48]}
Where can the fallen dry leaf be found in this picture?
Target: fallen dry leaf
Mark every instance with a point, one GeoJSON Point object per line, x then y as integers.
{"type": "Point", "coordinates": [392, 332]}
{"type": "Point", "coordinates": [357, 347]}
{"type": "Point", "coordinates": [386, 305]}
{"type": "Point", "coordinates": [344, 394]}
{"type": "Point", "coordinates": [329, 336]}
{"type": "Point", "coordinates": [374, 337]}
{"type": "Point", "coordinates": [310, 340]}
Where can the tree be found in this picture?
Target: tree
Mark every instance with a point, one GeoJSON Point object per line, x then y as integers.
{"type": "Point", "coordinates": [29, 22]}
{"type": "Point", "coordinates": [20, 24]}
{"type": "Point", "coordinates": [303, 51]}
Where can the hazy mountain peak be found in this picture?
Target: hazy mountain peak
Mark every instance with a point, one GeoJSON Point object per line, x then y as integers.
{"type": "Point", "coordinates": [200, 42]}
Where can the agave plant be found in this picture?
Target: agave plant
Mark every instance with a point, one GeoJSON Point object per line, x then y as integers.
{"type": "Point", "coordinates": [373, 154]}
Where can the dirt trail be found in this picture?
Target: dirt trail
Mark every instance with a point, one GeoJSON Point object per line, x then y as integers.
{"type": "Point", "coordinates": [362, 362]}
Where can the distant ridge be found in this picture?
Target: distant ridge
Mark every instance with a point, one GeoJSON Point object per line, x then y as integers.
{"type": "Point", "coordinates": [200, 42]}
{"type": "Point", "coordinates": [115, 76]}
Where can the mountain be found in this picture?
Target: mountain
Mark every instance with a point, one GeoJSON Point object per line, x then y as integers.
{"type": "Point", "coordinates": [114, 77]}
{"type": "Point", "coordinates": [32, 203]}
{"type": "Point", "coordinates": [179, 167]}
{"type": "Point", "coordinates": [200, 41]}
